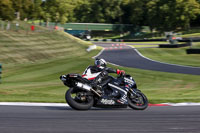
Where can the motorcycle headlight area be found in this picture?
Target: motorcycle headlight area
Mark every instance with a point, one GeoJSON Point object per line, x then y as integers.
{"type": "Point", "coordinates": [130, 81]}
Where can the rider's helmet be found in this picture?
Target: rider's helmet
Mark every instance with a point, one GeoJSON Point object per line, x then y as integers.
{"type": "Point", "coordinates": [100, 63]}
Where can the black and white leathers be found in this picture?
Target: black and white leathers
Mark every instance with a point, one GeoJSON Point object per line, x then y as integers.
{"type": "Point", "coordinates": [97, 74]}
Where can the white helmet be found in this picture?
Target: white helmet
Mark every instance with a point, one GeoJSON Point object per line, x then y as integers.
{"type": "Point", "coordinates": [100, 63]}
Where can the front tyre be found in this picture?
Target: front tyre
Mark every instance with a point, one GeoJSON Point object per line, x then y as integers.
{"type": "Point", "coordinates": [137, 101]}
{"type": "Point", "coordinates": [79, 100]}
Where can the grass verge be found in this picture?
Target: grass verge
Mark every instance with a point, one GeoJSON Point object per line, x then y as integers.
{"type": "Point", "coordinates": [172, 55]}
{"type": "Point", "coordinates": [40, 82]}
{"type": "Point", "coordinates": [33, 62]}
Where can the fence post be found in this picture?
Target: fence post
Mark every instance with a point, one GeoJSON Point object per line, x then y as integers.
{"type": "Point", "coordinates": [2, 25]}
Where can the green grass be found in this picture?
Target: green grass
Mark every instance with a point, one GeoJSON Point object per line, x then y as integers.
{"type": "Point", "coordinates": [172, 55]}
{"type": "Point", "coordinates": [195, 45]}
{"type": "Point", "coordinates": [161, 87]}
{"type": "Point", "coordinates": [33, 62]}
{"type": "Point", "coordinates": [39, 82]}
{"type": "Point", "coordinates": [19, 47]}
{"type": "Point", "coordinates": [191, 35]}
{"type": "Point", "coordinates": [143, 46]}
{"type": "Point", "coordinates": [193, 32]}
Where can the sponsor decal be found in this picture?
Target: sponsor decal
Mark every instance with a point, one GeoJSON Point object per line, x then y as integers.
{"type": "Point", "coordinates": [107, 102]}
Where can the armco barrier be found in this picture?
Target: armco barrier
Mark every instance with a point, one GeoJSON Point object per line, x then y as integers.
{"type": "Point", "coordinates": [193, 51]}
{"type": "Point", "coordinates": [0, 72]}
{"type": "Point", "coordinates": [174, 45]}
{"type": "Point", "coordinates": [145, 40]}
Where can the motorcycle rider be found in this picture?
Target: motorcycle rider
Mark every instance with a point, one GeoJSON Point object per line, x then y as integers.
{"type": "Point", "coordinates": [98, 74]}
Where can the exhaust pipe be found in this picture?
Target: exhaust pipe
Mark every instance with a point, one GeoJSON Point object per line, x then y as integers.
{"type": "Point", "coordinates": [83, 86]}
{"type": "Point", "coordinates": [87, 87]}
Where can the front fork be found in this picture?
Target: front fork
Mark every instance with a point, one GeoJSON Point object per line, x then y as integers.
{"type": "Point", "coordinates": [135, 96]}
{"type": "Point", "coordinates": [133, 91]}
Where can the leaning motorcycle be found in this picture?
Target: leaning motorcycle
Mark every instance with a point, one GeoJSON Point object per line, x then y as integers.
{"type": "Point", "coordinates": [81, 95]}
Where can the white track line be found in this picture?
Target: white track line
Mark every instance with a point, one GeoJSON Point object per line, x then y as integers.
{"type": "Point", "coordinates": [33, 104]}
{"type": "Point", "coordinates": [66, 105]}
{"type": "Point", "coordinates": [143, 57]}
{"type": "Point", "coordinates": [99, 53]}
{"type": "Point", "coordinates": [159, 61]}
{"type": "Point", "coordinates": [106, 61]}
{"type": "Point", "coordinates": [183, 104]}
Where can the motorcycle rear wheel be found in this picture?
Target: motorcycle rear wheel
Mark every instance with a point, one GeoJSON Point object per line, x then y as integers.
{"type": "Point", "coordinates": [137, 102]}
{"type": "Point", "coordinates": [78, 104]}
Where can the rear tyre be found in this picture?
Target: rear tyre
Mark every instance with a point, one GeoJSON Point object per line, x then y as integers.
{"type": "Point", "coordinates": [79, 100]}
{"type": "Point", "coordinates": [137, 102]}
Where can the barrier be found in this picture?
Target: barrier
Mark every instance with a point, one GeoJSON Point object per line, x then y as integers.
{"type": "Point", "coordinates": [174, 45]}
{"type": "Point", "coordinates": [94, 26]}
{"type": "Point", "coordinates": [193, 51]}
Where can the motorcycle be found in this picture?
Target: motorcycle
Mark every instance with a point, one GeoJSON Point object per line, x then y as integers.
{"type": "Point", "coordinates": [82, 96]}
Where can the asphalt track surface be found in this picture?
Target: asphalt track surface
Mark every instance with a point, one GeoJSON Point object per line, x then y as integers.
{"type": "Point", "coordinates": [129, 57]}
{"type": "Point", "coordinates": [164, 119]}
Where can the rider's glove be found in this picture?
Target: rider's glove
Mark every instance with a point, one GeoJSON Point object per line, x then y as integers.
{"type": "Point", "coordinates": [120, 72]}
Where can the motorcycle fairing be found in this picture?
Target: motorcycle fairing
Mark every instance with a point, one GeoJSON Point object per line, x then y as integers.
{"type": "Point", "coordinates": [108, 100]}
{"type": "Point", "coordinates": [113, 86]}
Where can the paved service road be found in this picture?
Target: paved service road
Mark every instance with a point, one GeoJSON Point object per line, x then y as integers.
{"type": "Point", "coordinates": [126, 56]}
{"type": "Point", "coordinates": [165, 119]}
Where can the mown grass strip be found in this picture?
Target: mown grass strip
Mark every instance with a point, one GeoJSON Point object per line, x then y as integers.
{"type": "Point", "coordinates": [33, 63]}
{"type": "Point", "coordinates": [172, 55]}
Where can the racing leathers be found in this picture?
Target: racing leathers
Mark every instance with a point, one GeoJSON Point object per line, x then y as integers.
{"type": "Point", "coordinates": [99, 77]}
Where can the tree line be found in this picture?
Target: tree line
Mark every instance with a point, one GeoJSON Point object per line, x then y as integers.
{"type": "Point", "coordinates": [161, 15]}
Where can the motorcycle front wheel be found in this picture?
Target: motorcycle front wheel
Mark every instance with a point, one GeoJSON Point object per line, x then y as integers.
{"type": "Point", "coordinates": [79, 100]}
{"type": "Point", "coordinates": [137, 101]}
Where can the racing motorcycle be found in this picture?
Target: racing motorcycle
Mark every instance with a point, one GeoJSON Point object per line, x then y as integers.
{"type": "Point", "coordinates": [82, 96]}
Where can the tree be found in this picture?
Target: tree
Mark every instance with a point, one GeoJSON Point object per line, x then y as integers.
{"type": "Point", "coordinates": [23, 8]}
{"type": "Point", "coordinates": [6, 10]}
{"type": "Point", "coordinates": [186, 10]}
{"type": "Point", "coordinates": [82, 11]}
{"type": "Point", "coordinates": [165, 15]}
{"type": "Point", "coordinates": [98, 11]}
{"type": "Point", "coordinates": [133, 12]}
{"type": "Point", "coordinates": [59, 10]}
{"type": "Point", "coordinates": [37, 11]}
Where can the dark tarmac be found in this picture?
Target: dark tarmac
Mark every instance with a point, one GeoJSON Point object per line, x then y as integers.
{"type": "Point", "coordinates": [164, 119]}
{"type": "Point", "coordinates": [130, 57]}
